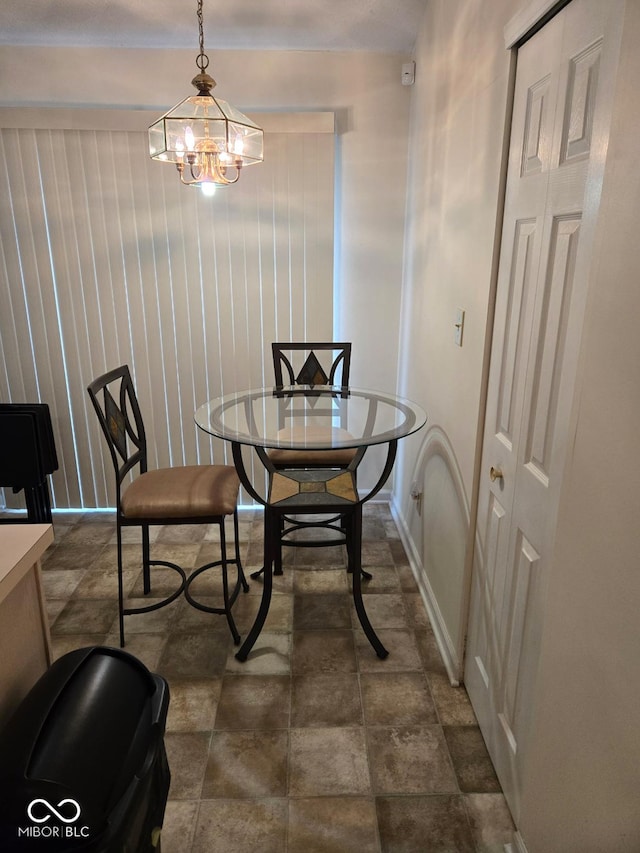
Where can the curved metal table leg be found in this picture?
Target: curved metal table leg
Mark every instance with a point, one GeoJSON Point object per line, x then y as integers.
{"type": "Point", "coordinates": [355, 525]}
{"type": "Point", "coordinates": [261, 616]}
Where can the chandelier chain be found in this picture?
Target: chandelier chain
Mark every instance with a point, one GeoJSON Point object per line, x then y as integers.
{"type": "Point", "coordinates": [203, 60]}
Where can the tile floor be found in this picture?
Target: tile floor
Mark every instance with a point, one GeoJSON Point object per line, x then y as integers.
{"type": "Point", "coordinates": [314, 745]}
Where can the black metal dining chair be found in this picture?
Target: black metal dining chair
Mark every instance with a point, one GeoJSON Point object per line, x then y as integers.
{"type": "Point", "coordinates": [301, 363]}
{"type": "Point", "coordinates": [190, 494]}
{"type": "Point", "coordinates": [326, 364]}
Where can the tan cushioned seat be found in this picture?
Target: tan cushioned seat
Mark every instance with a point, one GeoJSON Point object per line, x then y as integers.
{"type": "Point", "coordinates": [329, 457]}
{"type": "Point", "coordinates": [182, 492]}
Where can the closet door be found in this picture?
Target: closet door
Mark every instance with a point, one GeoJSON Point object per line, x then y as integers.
{"type": "Point", "coordinates": [538, 322]}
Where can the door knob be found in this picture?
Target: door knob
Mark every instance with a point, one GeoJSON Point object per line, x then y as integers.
{"type": "Point", "coordinates": [495, 474]}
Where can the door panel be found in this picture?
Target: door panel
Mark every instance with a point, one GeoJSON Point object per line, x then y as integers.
{"type": "Point", "coordinates": [537, 326]}
{"type": "Point", "coordinates": [550, 338]}
{"type": "Point", "coordinates": [582, 87]}
{"type": "Point", "coordinates": [515, 321]}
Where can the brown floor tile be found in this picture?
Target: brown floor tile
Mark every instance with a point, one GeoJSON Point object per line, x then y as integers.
{"type": "Point", "coordinates": [429, 652]}
{"type": "Point", "coordinates": [452, 703]}
{"type": "Point", "coordinates": [254, 556]}
{"type": "Point", "coordinates": [133, 535]}
{"type": "Point", "coordinates": [61, 644]}
{"type": "Point", "coordinates": [194, 656]}
{"type": "Point", "coordinates": [242, 827]}
{"type": "Point", "coordinates": [376, 554]}
{"type": "Point", "coordinates": [323, 651]}
{"type": "Point", "coordinates": [54, 608]}
{"type": "Point", "coordinates": [147, 647]}
{"type": "Point", "coordinates": [179, 825]}
{"type": "Point", "coordinates": [385, 579]}
{"type": "Point", "coordinates": [322, 611]}
{"type": "Point", "coordinates": [187, 754]}
{"type": "Point", "coordinates": [325, 558]}
{"type": "Point", "coordinates": [390, 529]}
{"type": "Point", "coordinates": [193, 704]}
{"type": "Point", "coordinates": [107, 558]}
{"type": "Point", "coordinates": [84, 616]}
{"type": "Point", "coordinates": [60, 583]}
{"type": "Point", "coordinates": [280, 617]}
{"type": "Point", "coordinates": [435, 824]}
{"type": "Point", "coordinates": [401, 698]}
{"type": "Point", "coordinates": [321, 581]}
{"type": "Point", "coordinates": [191, 620]}
{"type": "Point", "coordinates": [326, 700]}
{"type": "Point", "coordinates": [103, 583]}
{"type": "Point", "coordinates": [153, 622]}
{"type": "Point", "coordinates": [491, 822]}
{"type": "Point", "coordinates": [88, 532]}
{"type": "Point", "coordinates": [254, 702]}
{"type": "Point", "coordinates": [384, 611]}
{"type": "Point", "coordinates": [398, 554]}
{"type": "Point", "coordinates": [471, 761]}
{"type": "Point", "coordinates": [328, 762]}
{"type": "Point", "coordinates": [407, 579]}
{"type": "Point", "coordinates": [71, 557]}
{"type": "Point", "coordinates": [271, 655]}
{"type": "Point", "coordinates": [209, 580]}
{"type": "Point", "coordinates": [329, 825]}
{"type": "Point", "coordinates": [176, 534]}
{"type": "Point", "coordinates": [402, 648]}
{"type": "Point", "coordinates": [246, 764]}
{"type": "Point", "coordinates": [60, 529]}
{"type": "Point", "coordinates": [409, 760]}
{"type": "Point", "coordinates": [414, 608]}
{"type": "Point", "coordinates": [98, 516]}
{"type": "Point", "coordinates": [182, 555]}
{"type": "Point", "coordinates": [209, 552]}
{"type": "Point", "coordinates": [372, 529]}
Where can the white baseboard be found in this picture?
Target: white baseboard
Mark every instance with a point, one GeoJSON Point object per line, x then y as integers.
{"type": "Point", "coordinates": [516, 846]}
{"type": "Point", "coordinates": [443, 639]}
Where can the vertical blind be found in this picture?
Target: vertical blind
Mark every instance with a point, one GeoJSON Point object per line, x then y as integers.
{"type": "Point", "coordinates": [106, 259]}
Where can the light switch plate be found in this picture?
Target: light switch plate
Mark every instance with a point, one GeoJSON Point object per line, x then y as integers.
{"type": "Point", "coordinates": [459, 327]}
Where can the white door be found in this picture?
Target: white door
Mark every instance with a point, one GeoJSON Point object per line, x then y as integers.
{"type": "Point", "coordinates": [538, 322]}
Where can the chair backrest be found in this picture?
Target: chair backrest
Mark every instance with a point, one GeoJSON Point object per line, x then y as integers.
{"type": "Point", "coordinates": [114, 399]}
{"type": "Point", "coordinates": [27, 447]}
{"type": "Point", "coordinates": [325, 363]}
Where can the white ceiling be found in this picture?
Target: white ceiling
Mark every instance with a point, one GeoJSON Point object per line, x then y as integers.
{"type": "Point", "coordinates": [377, 25]}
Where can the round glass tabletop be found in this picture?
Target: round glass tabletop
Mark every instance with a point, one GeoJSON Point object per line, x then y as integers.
{"type": "Point", "coordinates": [302, 417]}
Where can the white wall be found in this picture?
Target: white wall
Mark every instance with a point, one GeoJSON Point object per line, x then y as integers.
{"type": "Point", "coordinates": [457, 125]}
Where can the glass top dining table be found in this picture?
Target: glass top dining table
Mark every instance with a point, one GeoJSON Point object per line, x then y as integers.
{"type": "Point", "coordinates": [311, 418]}
{"type": "Point", "coordinates": [305, 417]}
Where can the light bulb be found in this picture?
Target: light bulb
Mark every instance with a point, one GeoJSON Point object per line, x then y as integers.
{"type": "Point", "coordinates": [208, 188]}
{"type": "Point", "coordinates": [189, 139]}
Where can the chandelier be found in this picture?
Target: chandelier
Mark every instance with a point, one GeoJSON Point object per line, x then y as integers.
{"type": "Point", "coordinates": [209, 140]}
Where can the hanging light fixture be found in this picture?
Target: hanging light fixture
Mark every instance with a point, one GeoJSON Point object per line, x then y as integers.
{"type": "Point", "coordinates": [209, 140]}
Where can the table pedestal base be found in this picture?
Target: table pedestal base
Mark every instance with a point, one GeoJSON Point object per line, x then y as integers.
{"type": "Point", "coordinates": [312, 497]}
